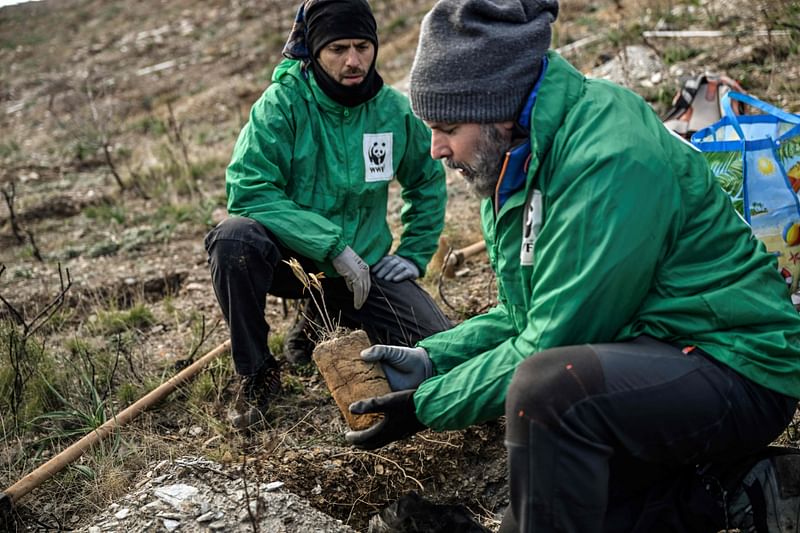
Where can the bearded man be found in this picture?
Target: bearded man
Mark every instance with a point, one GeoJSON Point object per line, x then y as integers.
{"type": "Point", "coordinates": [644, 350]}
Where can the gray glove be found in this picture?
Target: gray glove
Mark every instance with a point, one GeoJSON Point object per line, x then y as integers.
{"type": "Point", "coordinates": [405, 368]}
{"type": "Point", "coordinates": [395, 268]}
{"type": "Point", "coordinates": [355, 273]}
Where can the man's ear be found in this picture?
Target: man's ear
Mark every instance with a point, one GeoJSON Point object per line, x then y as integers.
{"type": "Point", "coordinates": [507, 126]}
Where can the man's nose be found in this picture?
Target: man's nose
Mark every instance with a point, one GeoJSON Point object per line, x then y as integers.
{"type": "Point", "coordinates": [353, 59]}
{"type": "Point", "coordinates": [440, 148]}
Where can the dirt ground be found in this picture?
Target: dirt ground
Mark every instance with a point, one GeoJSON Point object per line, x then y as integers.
{"type": "Point", "coordinates": [116, 123]}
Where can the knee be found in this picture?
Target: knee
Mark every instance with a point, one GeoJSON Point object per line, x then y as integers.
{"type": "Point", "coordinates": [548, 383]}
{"type": "Point", "coordinates": [241, 238]}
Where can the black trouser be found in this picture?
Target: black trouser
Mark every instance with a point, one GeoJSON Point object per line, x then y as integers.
{"type": "Point", "coordinates": [608, 437]}
{"type": "Point", "coordinates": [247, 263]}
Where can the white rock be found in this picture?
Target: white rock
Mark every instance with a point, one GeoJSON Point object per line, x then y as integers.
{"type": "Point", "coordinates": [178, 495]}
{"type": "Point", "coordinates": [273, 486]}
{"type": "Point", "coordinates": [122, 513]}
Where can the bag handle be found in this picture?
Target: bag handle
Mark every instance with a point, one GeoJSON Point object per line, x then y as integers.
{"type": "Point", "coordinates": [769, 109]}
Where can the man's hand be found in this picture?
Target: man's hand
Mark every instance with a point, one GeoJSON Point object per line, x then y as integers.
{"type": "Point", "coordinates": [399, 420]}
{"type": "Point", "coordinates": [405, 368]}
{"type": "Point", "coordinates": [355, 273]}
{"type": "Point", "coordinates": [395, 268]}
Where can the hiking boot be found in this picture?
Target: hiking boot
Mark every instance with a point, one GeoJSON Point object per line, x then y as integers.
{"type": "Point", "coordinates": [253, 397]}
{"type": "Point", "coordinates": [768, 497]}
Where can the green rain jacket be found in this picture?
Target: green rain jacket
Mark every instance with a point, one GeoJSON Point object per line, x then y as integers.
{"type": "Point", "coordinates": [636, 239]}
{"type": "Point", "coordinates": [316, 174]}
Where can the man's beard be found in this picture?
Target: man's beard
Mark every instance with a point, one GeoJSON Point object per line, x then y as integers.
{"type": "Point", "coordinates": [482, 175]}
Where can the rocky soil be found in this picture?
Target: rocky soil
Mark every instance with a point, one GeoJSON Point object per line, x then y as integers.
{"type": "Point", "coordinates": [116, 123]}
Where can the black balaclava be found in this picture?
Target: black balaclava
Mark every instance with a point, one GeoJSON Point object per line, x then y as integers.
{"type": "Point", "coordinates": [329, 20]}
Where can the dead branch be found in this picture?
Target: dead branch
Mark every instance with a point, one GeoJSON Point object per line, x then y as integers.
{"type": "Point", "coordinates": [250, 514]}
{"type": "Point", "coordinates": [34, 247]}
{"type": "Point", "coordinates": [18, 341]}
{"type": "Point", "coordinates": [136, 180]}
{"type": "Point", "coordinates": [175, 127]}
{"type": "Point", "coordinates": [183, 363]}
{"type": "Point", "coordinates": [104, 139]}
{"type": "Point", "coordinates": [50, 309]}
{"type": "Point", "coordinates": [112, 374]}
{"type": "Point", "coordinates": [10, 195]}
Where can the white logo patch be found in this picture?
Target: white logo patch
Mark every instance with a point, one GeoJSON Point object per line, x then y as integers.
{"type": "Point", "coordinates": [531, 224]}
{"type": "Point", "coordinates": [378, 157]}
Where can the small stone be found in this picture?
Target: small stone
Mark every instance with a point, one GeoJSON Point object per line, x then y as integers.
{"type": "Point", "coordinates": [216, 526]}
{"type": "Point", "coordinates": [207, 517]}
{"type": "Point", "coordinates": [149, 507]}
{"type": "Point", "coordinates": [177, 495]}
{"type": "Point", "coordinates": [171, 525]}
{"type": "Point", "coordinates": [122, 514]}
{"type": "Point", "coordinates": [273, 486]}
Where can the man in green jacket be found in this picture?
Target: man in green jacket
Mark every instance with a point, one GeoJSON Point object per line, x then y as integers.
{"type": "Point", "coordinates": [309, 180]}
{"type": "Point", "coordinates": [644, 350]}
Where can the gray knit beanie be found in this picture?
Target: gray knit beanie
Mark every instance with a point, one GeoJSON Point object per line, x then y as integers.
{"type": "Point", "coordinates": [477, 60]}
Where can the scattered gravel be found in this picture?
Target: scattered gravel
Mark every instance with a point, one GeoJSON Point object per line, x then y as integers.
{"type": "Point", "coordinates": [194, 494]}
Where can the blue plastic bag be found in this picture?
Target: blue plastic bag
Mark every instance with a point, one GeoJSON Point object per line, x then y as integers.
{"type": "Point", "coordinates": [756, 159]}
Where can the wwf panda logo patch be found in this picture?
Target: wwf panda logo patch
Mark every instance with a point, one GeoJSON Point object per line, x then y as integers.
{"type": "Point", "coordinates": [378, 157]}
{"type": "Point", "coordinates": [377, 153]}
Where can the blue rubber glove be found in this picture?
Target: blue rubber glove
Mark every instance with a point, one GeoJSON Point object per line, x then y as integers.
{"type": "Point", "coordinates": [395, 268]}
{"type": "Point", "coordinates": [405, 368]}
{"type": "Point", "coordinates": [399, 420]}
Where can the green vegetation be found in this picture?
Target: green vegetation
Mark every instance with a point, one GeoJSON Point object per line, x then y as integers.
{"type": "Point", "coordinates": [113, 321]}
{"type": "Point", "coordinates": [275, 342]}
{"type": "Point", "coordinates": [106, 213]}
{"type": "Point", "coordinates": [8, 148]}
{"type": "Point", "coordinates": [679, 53]}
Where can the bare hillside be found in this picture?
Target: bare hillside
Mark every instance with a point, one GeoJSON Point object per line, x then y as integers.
{"type": "Point", "coordinates": [117, 120]}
